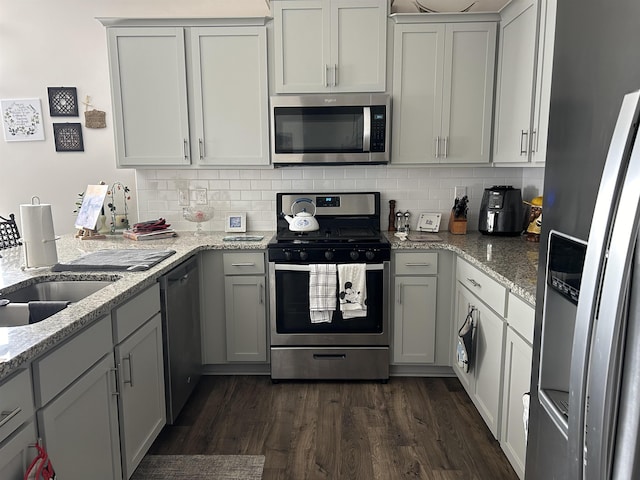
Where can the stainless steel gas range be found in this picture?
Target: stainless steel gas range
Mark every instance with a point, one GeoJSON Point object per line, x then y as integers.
{"type": "Point", "coordinates": [329, 317]}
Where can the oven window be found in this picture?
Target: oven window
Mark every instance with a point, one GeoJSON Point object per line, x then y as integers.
{"type": "Point", "coordinates": [319, 129]}
{"type": "Point", "coordinates": [292, 306]}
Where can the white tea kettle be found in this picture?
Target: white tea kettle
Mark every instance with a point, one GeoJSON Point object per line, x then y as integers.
{"type": "Point", "coordinates": [302, 221]}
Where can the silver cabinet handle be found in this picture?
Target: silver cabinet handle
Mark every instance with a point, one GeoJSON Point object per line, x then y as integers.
{"type": "Point", "coordinates": [129, 358]}
{"type": "Point", "coordinates": [417, 264]}
{"type": "Point", "coordinates": [335, 75]}
{"type": "Point", "coordinates": [534, 147]}
{"type": "Point", "coordinates": [185, 147]}
{"type": "Point", "coordinates": [201, 148]}
{"type": "Point", "coordinates": [115, 391]}
{"type": "Point", "coordinates": [524, 135]}
{"type": "Point", "coordinates": [326, 75]}
{"type": "Point", "coordinates": [473, 282]}
{"type": "Point", "coordinates": [366, 130]}
{"type": "Point", "coordinates": [400, 294]}
{"type": "Point", "coordinates": [244, 264]}
{"type": "Point", "coordinates": [436, 147]}
{"type": "Point", "coordinates": [446, 147]}
{"type": "Point", "coordinates": [6, 416]}
{"type": "Point", "coordinates": [261, 293]}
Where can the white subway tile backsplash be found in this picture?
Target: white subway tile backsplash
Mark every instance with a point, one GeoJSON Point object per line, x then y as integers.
{"type": "Point", "coordinates": [253, 191]}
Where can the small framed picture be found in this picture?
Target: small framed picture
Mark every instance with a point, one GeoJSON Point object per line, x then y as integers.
{"type": "Point", "coordinates": [236, 222]}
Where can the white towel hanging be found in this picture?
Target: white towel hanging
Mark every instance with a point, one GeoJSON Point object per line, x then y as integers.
{"type": "Point", "coordinates": [322, 292]}
{"type": "Point", "coordinates": [352, 278]}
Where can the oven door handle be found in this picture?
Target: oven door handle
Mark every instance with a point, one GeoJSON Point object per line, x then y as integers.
{"type": "Point", "coordinates": [306, 268]}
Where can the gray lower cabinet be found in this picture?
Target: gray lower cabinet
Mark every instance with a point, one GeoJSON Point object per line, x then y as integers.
{"type": "Point", "coordinates": [141, 399]}
{"type": "Point", "coordinates": [414, 307]}
{"type": "Point", "coordinates": [234, 305]}
{"type": "Point", "coordinates": [17, 426]}
{"type": "Point", "coordinates": [483, 381]}
{"type": "Point", "coordinates": [80, 427]}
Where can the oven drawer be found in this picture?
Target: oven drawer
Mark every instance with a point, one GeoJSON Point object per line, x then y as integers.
{"type": "Point", "coordinates": [416, 263]}
{"type": "Point", "coordinates": [243, 263]}
{"type": "Point", "coordinates": [329, 363]}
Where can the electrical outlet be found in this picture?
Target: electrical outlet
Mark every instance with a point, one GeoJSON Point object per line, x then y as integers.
{"type": "Point", "coordinates": [183, 197]}
{"type": "Point", "coordinates": [201, 196]}
{"type": "Point", "coordinates": [460, 192]}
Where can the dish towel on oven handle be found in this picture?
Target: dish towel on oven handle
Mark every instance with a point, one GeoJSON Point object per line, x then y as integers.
{"type": "Point", "coordinates": [322, 292]}
{"type": "Point", "coordinates": [352, 278]}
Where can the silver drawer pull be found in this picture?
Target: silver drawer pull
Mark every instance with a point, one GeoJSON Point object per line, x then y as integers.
{"type": "Point", "coordinates": [473, 282]}
{"type": "Point", "coordinates": [417, 264]}
{"type": "Point", "coordinates": [6, 416]}
{"type": "Point", "coordinates": [245, 264]}
{"type": "Point", "coordinates": [115, 391]}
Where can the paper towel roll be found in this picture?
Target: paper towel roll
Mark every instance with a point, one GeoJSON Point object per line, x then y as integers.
{"type": "Point", "coordinates": [38, 235]}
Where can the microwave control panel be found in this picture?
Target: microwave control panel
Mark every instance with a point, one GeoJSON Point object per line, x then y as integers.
{"type": "Point", "coordinates": [378, 128]}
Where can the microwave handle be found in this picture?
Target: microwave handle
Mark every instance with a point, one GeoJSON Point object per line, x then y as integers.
{"type": "Point", "coordinates": [366, 131]}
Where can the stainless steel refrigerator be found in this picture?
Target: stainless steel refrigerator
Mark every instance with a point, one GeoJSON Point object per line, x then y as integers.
{"type": "Point", "coordinates": [584, 420]}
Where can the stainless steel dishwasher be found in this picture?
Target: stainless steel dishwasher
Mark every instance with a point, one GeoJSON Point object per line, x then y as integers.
{"type": "Point", "coordinates": [180, 294]}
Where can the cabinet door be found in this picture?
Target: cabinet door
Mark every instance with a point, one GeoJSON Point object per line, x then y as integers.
{"type": "Point", "coordinates": [17, 453]}
{"type": "Point", "coordinates": [80, 427]}
{"type": "Point", "coordinates": [149, 94]}
{"type": "Point", "coordinates": [469, 64]}
{"type": "Point", "coordinates": [230, 95]}
{"type": "Point", "coordinates": [543, 80]}
{"type": "Point", "coordinates": [246, 318]}
{"type": "Point", "coordinates": [358, 45]}
{"type": "Point", "coordinates": [515, 81]}
{"type": "Point", "coordinates": [490, 333]}
{"type": "Point", "coordinates": [517, 375]}
{"type": "Point", "coordinates": [141, 386]}
{"type": "Point", "coordinates": [302, 46]}
{"type": "Point", "coordinates": [414, 327]}
{"type": "Point", "coordinates": [418, 61]}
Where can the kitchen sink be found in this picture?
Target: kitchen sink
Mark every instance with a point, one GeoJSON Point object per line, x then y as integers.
{"type": "Point", "coordinates": [14, 315]}
{"type": "Point", "coordinates": [56, 290]}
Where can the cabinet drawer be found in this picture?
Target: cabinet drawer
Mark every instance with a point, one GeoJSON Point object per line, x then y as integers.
{"type": "Point", "coordinates": [58, 369]}
{"type": "Point", "coordinates": [520, 317]}
{"type": "Point", "coordinates": [129, 316]}
{"type": "Point", "coordinates": [16, 403]}
{"type": "Point", "coordinates": [243, 263]}
{"type": "Point", "coordinates": [486, 288]}
{"type": "Point", "coordinates": [416, 263]}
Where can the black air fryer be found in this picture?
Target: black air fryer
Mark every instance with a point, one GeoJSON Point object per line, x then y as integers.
{"type": "Point", "coordinates": [501, 211]}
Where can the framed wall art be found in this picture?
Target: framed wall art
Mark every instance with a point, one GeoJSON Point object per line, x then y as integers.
{"type": "Point", "coordinates": [68, 137]}
{"type": "Point", "coordinates": [22, 120]}
{"type": "Point", "coordinates": [63, 101]}
{"type": "Point", "coordinates": [236, 222]}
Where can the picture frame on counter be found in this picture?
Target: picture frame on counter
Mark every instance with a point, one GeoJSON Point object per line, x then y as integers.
{"type": "Point", "coordinates": [236, 222]}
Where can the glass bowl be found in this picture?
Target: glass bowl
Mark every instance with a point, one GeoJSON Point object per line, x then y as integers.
{"type": "Point", "coordinates": [197, 214]}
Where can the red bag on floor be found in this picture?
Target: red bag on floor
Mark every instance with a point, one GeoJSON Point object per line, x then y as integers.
{"type": "Point", "coordinates": [40, 468]}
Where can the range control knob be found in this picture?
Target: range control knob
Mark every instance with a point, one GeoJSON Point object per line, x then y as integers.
{"type": "Point", "coordinates": [370, 255]}
{"type": "Point", "coordinates": [303, 255]}
{"type": "Point", "coordinates": [354, 254]}
{"type": "Point", "coordinates": [287, 254]}
{"type": "Point", "coordinates": [328, 255]}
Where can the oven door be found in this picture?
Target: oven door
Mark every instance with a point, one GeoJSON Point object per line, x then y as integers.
{"type": "Point", "coordinates": [289, 310]}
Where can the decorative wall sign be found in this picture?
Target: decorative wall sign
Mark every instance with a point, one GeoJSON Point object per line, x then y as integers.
{"type": "Point", "coordinates": [63, 101]}
{"type": "Point", "coordinates": [22, 120]}
{"type": "Point", "coordinates": [68, 137]}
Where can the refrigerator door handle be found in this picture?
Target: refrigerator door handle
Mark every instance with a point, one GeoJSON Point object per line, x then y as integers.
{"type": "Point", "coordinates": [607, 351]}
{"type": "Point", "coordinates": [597, 248]}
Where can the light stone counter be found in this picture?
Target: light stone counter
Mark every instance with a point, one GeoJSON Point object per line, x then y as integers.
{"type": "Point", "coordinates": [510, 260]}
{"type": "Point", "coordinates": [20, 345]}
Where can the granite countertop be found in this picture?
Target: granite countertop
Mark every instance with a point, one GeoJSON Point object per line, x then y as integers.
{"type": "Point", "coordinates": [510, 260]}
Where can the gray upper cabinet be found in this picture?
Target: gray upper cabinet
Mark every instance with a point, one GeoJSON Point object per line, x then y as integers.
{"type": "Point", "coordinates": [330, 45]}
{"type": "Point", "coordinates": [149, 94]}
{"type": "Point", "coordinates": [443, 77]}
{"type": "Point", "coordinates": [523, 84]}
{"type": "Point", "coordinates": [189, 95]}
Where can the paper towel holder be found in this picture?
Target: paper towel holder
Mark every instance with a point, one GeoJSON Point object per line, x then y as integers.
{"type": "Point", "coordinates": [38, 242]}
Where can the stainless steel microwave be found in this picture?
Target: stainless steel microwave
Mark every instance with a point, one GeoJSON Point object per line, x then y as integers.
{"type": "Point", "coordinates": [345, 129]}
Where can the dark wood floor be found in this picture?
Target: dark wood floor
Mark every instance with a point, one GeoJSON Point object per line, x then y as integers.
{"type": "Point", "coordinates": [424, 428]}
